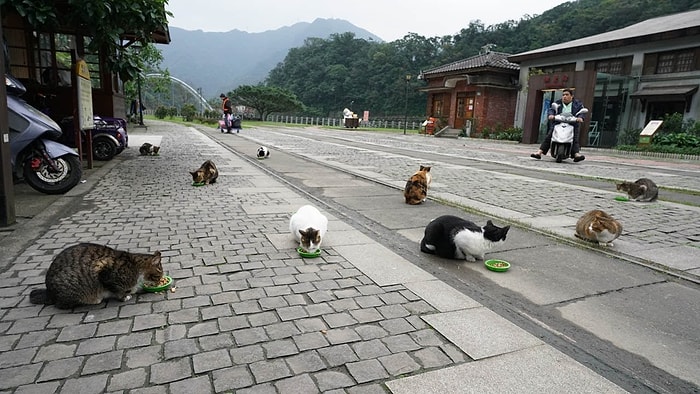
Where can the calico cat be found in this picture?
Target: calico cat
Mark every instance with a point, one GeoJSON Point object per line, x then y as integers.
{"type": "Point", "coordinates": [308, 225]}
{"type": "Point", "coordinates": [597, 226]}
{"type": "Point", "coordinates": [87, 273]}
{"type": "Point", "coordinates": [416, 190]}
{"type": "Point", "coordinates": [456, 238]}
{"type": "Point", "coordinates": [642, 189]}
{"type": "Point", "coordinates": [149, 149]}
{"type": "Point", "coordinates": [205, 174]}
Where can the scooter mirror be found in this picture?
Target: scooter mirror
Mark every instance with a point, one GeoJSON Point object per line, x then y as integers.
{"type": "Point", "coordinates": [582, 111]}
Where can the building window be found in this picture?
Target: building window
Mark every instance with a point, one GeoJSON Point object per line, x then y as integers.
{"type": "Point", "coordinates": [17, 52]}
{"type": "Point", "coordinates": [437, 105]}
{"type": "Point", "coordinates": [53, 59]}
{"type": "Point", "coordinates": [675, 62]}
{"type": "Point", "coordinates": [609, 66]}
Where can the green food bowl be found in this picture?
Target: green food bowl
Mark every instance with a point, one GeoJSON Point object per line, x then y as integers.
{"type": "Point", "coordinates": [197, 183]}
{"type": "Point", "coordinates": [621, 198]}
{"type": "Point", "coordinates": [497, 265]}
{"type": "Point", "coordinates": [302, 253]}
{"type": "Point", "coordinates": [161, 287]}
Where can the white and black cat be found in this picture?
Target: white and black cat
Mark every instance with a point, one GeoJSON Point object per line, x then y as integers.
{"type": "Point", "coordinates": [308, 225]}
{"type": "Point", "coordinates": [455, 238]}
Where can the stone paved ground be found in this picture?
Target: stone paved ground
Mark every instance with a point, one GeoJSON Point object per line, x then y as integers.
{"type": "Point", "coordinates": [244, 316]}
{"type": "Point", "coordinates": [650, 230]}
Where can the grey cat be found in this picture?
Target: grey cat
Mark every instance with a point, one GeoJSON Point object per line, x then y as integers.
{"type": "Point", "coordinates": [88, 273]}
{"type": "Point", "coordinates": [642, 189]}
{"type": "Point", "coordinates": [455, 238]}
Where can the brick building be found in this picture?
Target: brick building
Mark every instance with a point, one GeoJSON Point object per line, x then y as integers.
{"type": "Point", "coordinates": [476, 94]}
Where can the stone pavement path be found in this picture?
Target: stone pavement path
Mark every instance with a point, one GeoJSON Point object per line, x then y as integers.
{"type": "Point", "coordinates": [662, 234]}
{"type": "Point", "coordinates": [247, 314]}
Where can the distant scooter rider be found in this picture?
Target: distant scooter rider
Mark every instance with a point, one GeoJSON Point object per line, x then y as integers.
{"type": "Point", "coordinates": [567, 103]}
{"type": "Point", "coordinates": [228, 111]}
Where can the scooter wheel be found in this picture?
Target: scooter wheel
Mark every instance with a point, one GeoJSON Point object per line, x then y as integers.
{"type": "Point", "coordinates": [42, 180]}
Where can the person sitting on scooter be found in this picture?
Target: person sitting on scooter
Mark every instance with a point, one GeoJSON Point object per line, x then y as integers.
{"type": "Point", "coordinates": [228, 111]}
{"type": "Point", "coordinates": [567, 103]}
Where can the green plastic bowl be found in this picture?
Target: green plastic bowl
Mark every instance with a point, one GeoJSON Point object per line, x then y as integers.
{"type": "Point", "coordinates": [302, 253]}
{"type": "Point", "coordinates": [621, 198]}
{"type": "Point", "coordinates": [197, 183]}
{"type": "Point", "coordinates": [497, 265]}
{"type": "Point", "coordinates": [159, 288]}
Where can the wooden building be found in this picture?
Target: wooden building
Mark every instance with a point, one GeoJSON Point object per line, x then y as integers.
{"type": "Point", "coordinates": [43, 60]}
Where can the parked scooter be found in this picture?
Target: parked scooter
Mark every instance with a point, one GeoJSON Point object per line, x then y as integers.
{"type": "Point", "coordinates": [46, 165]}
{"type": "Point", "coordinates": [563, 133]}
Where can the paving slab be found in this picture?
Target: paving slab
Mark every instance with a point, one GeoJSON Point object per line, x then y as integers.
{"type": "Point", "coordinates": [440, 295]}
{"type": "Point", "coordinates": [382, 265]}
{"type": "Point", "coordinates": [480, 332]}
{"type": "Point", "coordinates": [538, 369]}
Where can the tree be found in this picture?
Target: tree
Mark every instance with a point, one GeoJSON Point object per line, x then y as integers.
{"type": "Point", "coordinates": [266, 99]}
{"type": "Point", "coordinates": [106, 22]}
{"type": "Point", "coordinates": [148, 59]}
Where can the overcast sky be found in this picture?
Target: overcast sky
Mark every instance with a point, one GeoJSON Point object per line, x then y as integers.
{"type": "Point", "coordinates": [388, 19]}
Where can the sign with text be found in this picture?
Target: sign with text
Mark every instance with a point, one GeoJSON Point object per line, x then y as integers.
{"type": "Point", "coordinates": [84, 88]}
{"type": "Point", "coordinates": [649, 130]}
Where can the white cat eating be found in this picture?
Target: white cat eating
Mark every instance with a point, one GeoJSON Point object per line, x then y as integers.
{"type": "Point", "coordinates": [308, 225]}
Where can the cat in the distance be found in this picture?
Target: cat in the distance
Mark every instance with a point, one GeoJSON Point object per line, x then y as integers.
{"type": "Point", "coordinates": [87, 273]}
{"type": "Point", "coordinates": [455, 238]}
{"type": "Point", "coordinates": [308, 226]}
{"type": "Point", "coordinates": [207, 173]}
{"type": "Point", "coordinates": [643, 189]}
{"type": "Point", "coordinates": [416, 190]}
{"type": "Point", "coordinates": [599, 227]}
{"type": "Point", "coordinates": [149, 149]}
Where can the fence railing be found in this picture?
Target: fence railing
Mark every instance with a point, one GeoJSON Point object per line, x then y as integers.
{"type": "Point", "coordinates": [340, 122]}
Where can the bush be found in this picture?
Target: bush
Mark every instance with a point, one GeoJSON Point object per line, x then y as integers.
{"type": "Point", "coordinates": [161, 112]}
{"type": "Point", "coordinates": [628, 137]}
{"type": "Point", "coordinates": [680, 140]}
{"type": "Point", "coordinates": [510, 134]}
{"type": "Point", "coordinates": [188, 111]}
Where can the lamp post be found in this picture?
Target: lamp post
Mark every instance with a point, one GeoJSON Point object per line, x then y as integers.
{"type": "Point", "coordinates": [405, 106]}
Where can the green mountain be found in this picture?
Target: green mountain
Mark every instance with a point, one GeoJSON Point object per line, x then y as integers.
{"type": "Point", "coordinates": [219, 62]}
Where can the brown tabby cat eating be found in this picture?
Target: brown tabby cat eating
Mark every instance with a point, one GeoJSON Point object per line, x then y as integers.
{"type": "Point", "coordinates": [643, 189]}
{"type": "Point", "coordinates": [598, 226]}
{"type": "Point", "coordinates": [206, 173]}
{"type": "Point", "coordinates": [416, 190]}
{"type": "Point", "coordinates": [87, 273]}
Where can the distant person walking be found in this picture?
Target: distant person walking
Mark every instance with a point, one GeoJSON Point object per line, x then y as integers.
{"type": "Point", "coordinates": [228, 112]}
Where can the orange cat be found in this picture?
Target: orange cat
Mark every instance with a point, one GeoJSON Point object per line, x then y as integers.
{"type": "Point", "coordinates": [598, 226]}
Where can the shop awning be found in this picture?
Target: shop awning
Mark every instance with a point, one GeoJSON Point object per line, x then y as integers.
{"type": "Point", "coordinates": [657, 92]}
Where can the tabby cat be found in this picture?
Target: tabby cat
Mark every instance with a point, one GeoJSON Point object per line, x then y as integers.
{"type": "Point", "coordinates": [87, 273]}
{"type": "Point", "coordinates": [642, 189]}
{"type": "Point", "coordinates": [205, 174]}
{"type": "Point", "coordinates": [455, 238]}
{"type": "Point", "coordinates": [149, 149]}
{"type": "Point", "coordinates": [416, 190]}
{"type": "Point", "coordinates": [598, 226]}
{"type": "Point", "coordinates": [308, 225]}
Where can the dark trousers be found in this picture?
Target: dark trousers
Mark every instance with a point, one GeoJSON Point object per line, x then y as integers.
{"type": "Point", "coordinates": [575, 146]}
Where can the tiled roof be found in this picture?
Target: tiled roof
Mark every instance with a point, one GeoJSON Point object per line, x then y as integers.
{"type": "Point", "coordinates": [659, 25]}
{"type": "Point", "coordinates": [489, 59]}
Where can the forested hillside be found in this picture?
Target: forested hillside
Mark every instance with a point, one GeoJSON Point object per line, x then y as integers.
{"type": "Point", "coordinates": [341, 71]}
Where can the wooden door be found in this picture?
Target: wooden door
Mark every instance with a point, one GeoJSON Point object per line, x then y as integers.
{"type": "Point", "coordinates": [465, 109]}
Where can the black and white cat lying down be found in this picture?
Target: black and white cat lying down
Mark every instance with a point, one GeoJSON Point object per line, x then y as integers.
{"type": "Point", "coordinates": [455, 238]}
